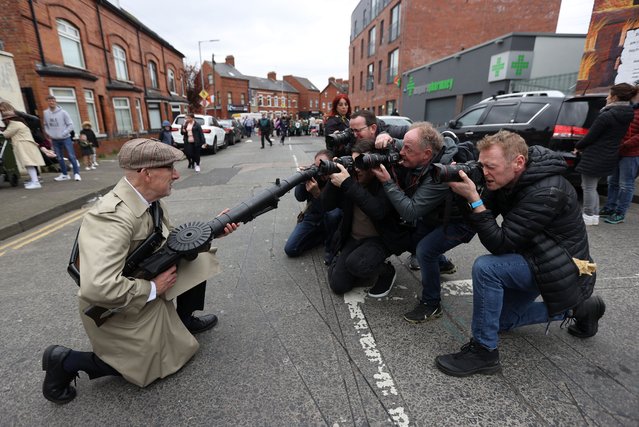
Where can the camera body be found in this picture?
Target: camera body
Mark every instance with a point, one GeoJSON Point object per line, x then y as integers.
{"type": "Point", "coordinates": [372, 160]}
{"type": "Point", "coordinates": [450, 173]}
{"type": "Point", "coordinates": [345, 137]}
{"type": "Point", "coordinates": [328, 167]}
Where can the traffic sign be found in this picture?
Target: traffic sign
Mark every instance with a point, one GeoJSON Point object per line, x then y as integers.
{"type": "Point", "coordinates": [204, 94]}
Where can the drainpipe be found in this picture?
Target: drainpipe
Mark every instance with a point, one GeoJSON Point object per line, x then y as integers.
{"type": "Point", "coordinates": [37, 33]}
{"type": "Point", "coordinates": [104, 49]}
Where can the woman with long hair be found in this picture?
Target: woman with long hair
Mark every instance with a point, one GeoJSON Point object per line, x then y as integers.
{"type": "Point", "coordinates": [25, 149]}
{"type": "Point", "coordinates": [338, 122]}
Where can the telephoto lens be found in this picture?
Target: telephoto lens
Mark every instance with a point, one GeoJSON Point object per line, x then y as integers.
{"type": "Point", "coordinates": [450, 173]}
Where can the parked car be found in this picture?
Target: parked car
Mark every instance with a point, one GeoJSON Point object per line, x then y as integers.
{"type": "Point", "coordinates": [396, 120]}
{"type": "Point", "coordinates": [213, 132]}
{"type": "Point", "coordinates": [549, 119]}
{"type": "Point", "coordinates": [232, 130]}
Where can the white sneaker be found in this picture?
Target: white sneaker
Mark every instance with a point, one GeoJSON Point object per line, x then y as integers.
{"type": "Point", "coordinates": [62, 177]}
{"type": "Point", "coordinates": [92, 167]}
{"type": "Point", "coordinates": [32, 185]}
{"type": "Point", "coordinates": [77, 177]}
{"type": "Point", "coordinates": [197, 168]}
{"type": "Point", "coordinates": [590, 219]}
{"type": "Point", "coordinates": [95, 164]}
{"type": "Point", "coordinates": [88, 168]}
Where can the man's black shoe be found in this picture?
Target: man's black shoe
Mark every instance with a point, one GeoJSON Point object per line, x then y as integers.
{"type": "Point", "coordinates": [447, 268]}
{"type": "Point", "coordinates": [384, 282]}
{"type": "Point", "coordinates": [195, 325]}
{"type": "Point", "coordinates": [472, 359]}
{"type": "Point", "coordinates": [57, 382]}
{"type": "Point", "coordinates": [423, 312]}
{"type": "Point", "coordinates": [586, 316]}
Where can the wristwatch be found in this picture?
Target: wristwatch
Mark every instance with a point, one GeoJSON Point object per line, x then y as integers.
{"type": "Point", "coordinates": [476, 204]}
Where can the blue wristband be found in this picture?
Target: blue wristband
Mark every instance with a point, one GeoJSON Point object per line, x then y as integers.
{"type": "Point", "coordinates": [476, 204]}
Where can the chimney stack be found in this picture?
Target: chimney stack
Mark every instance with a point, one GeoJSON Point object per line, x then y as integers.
{"type": "Point", "coordinates": [271, 75]}
{"type": "Point", "coordinates": [230, 60]}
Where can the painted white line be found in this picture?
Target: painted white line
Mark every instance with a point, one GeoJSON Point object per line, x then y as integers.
{"type": "Point", "coordinates": [457, 287]}
{"type": "Point", "coordinates": [297, 165]}
{"type": "Point", "coordinates": [383, 379]}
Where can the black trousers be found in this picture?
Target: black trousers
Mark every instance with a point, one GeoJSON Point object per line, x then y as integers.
{"type": "Point", "coordinates": [358, 259]}
{"type": "Point", "coordinates": [192, 152]}
{"type": "Point", "coordinates": [265, 134]}
{"type": "Point", "coordinates": [89, 362]}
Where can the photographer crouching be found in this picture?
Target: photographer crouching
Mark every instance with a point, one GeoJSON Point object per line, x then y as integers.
{"type": "Point", "coordinates": [422, 202]}
{"type": "Point", "coordinates": [541, 248]}
{"type": "Point", "coordinates": [369, 231]}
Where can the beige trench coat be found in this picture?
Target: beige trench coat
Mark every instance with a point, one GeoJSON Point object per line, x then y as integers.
{"type": "Point", "coordinates": [145, 341]}
{"type": "Point", "coordinates": [25, 148]}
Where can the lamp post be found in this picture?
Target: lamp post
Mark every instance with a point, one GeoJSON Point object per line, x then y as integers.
{"type": "Point", "coordinates": [199, 46]}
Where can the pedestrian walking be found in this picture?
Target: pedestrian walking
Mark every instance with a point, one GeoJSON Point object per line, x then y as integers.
{"type": "Point", "coordinates": [266, 127]}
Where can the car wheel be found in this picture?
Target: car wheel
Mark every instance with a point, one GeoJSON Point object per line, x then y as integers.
{"type": "Point", "coordinates": [229, 140]}
{"type": "Point", "coordinates": [214, 146]}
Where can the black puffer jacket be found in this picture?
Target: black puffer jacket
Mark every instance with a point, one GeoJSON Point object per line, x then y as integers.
{"type": "Point", "coordinates": [541, 221]}
{"type": "Point", "coordinates": [373, 202]}
{"type": "Point", "coordinates": [600, 146]}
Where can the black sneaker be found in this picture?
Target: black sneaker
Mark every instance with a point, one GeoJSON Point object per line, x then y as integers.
{"type": "Point", "coordinates": [423, 312]}
{"type": "Point", "coordinates": [56, 386]}
{"type": "Point", "coordinates": [614, 218]}
{"type": "Point", "coordinates": [472, 359]}
{"type": "Point", "coordinates": [603, 212]}
{"type": "Point", "coordinates": [447, 268]}
{"type": "Point", "coordinates": [384, 283]}
{"type": "Point", "coordinates": [195, 325]}
{"type": "Point", "coordinates": [586, 316]}
{"type": "Point", "coordinates": [413, 264]}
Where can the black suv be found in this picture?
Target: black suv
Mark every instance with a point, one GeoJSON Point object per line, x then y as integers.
{"type": "Point", "coordinates": [549, 119]}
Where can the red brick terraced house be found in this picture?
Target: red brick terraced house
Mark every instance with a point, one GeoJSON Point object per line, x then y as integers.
{"type": "Point", "coordinates": [100, 62]}
{"type": "Point", "coordinates": [332, 89]}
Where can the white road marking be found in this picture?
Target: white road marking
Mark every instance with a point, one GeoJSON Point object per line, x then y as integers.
{"type": "Point", "coordinates": [383, 379]}
{"type": "Point", "coordinates": [457, 287]}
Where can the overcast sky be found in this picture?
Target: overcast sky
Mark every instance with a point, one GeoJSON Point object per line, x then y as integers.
{"type": "Point", "coordinates": [304, 38]}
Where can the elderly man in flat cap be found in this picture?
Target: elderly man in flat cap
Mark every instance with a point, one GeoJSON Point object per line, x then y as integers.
{"type": "Point", "coordinates": [149, 337]}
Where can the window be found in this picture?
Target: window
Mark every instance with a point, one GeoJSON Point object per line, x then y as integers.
{"type": "Point", "coordinates": [276, 102]}
{"type": "Point", "coordinates": [500, 114]}
{"type": "Point", "coordinates": [210, 78]}
{"type": "Point", "coordinates": [370, 76]}
{"type": "Point", "coordinates": [289, 103]}
{"type": "Point", "coordinates": [381, 33]}
{"type": "Point", "coordinates": [361, 48]}
{"type": "Point", "coordinates": [393, 65]}
{"type": "Point", "coordinates": [390, 106]}
{"type": "Point", "coordinates": [528, 110]}
{"type": "Point", "coordinates": [393, 31]}
{"type": "Point", "coordinates": [153, 74]}
{"type": "Point", "coordinates": [316, 104]}
{"type": "Point", "coordinates": [294, 103]}
{"type": "Point", "coordinates": [119, 57]}
{"type": "Point", "coordinates": [70, 44]}
{"type": "Point", "coordinates": [269, 101]}
{"type": "Point", "coordinates": [379, 72]}
{"type": "Point", "coordinates": [260, 101]}
{"type": "Point", "coordinates": [138, 108]}
{"type": "Point", "coordinates": [324, 106]}
{"type": "Point", "coordinates": [330, 106]}
{"type": "Point", "coordinates": [89, 99]}
{"type": "Point", "coordinates": [471, 118]}
{"type": "Point", "coordinates": [371, 41]}
{"type": "Point", "coordinates": [155, 117]}
{"type": "Point", "coordinates": [123, 120]}
{"type": "Point", "coordinates": [242, 98]}
{"type": "Point", "coordinates": [310, 103]}
{"type": "Point", "coordinates": [171, 81]}
{"type": "Point", "coordinates": [229, 98]}
{"type": "Point", "coordinates": [353, 58]}
{"type": "Point", "coordinates": [66, 99]}
{"type": "Point", "coordinates": [361, 80]}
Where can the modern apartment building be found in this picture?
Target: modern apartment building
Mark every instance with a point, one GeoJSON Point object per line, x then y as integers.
{"type": "Point", "coordinates": [389, 37]}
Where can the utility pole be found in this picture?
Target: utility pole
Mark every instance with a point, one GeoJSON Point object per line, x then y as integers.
{"type": "Point", "coordinates": [199, 46]}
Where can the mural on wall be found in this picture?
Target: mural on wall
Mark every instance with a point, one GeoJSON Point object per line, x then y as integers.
{"type": "Point", "coordinates": [611, 54]}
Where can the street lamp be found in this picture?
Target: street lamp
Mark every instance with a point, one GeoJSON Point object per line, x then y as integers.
{"type": "Point", "coordinates": [199, 46]}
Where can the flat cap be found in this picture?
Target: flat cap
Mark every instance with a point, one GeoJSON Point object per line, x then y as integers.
{"type": "Point", "coordinates": [147, 153]}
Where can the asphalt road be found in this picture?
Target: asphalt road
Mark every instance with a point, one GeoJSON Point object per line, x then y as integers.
{"type": "Point", "coordinates": [288, 352]}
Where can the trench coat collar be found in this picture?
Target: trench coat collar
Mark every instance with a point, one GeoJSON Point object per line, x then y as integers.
{"type": "Point", "coordinates": [127, 194]}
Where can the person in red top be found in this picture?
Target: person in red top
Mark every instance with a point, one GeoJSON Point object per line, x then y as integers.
{"type": "Point", "coordinates": [621, 184]}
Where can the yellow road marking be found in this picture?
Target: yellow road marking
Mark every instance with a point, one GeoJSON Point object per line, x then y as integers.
{"type": "Point", "coordinates": [42, 232]}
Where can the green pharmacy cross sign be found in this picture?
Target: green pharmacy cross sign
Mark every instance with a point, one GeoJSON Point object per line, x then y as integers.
{"type": "Point", "coordinates": [510, 65]}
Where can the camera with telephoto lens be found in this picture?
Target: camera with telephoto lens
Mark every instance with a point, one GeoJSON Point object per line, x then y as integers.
{"type": "Point", "coordinates": [345, 137]}
{"type": "Point", "coordinates": [328, 167]}
{"type": "Point", "coordinates": [372, 160]}
{"type": "Point", "coordinates": [450, 173]}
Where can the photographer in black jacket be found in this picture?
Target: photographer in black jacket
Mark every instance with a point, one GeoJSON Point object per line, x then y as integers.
{"type": "Point", "coordinates": [540, 248]}
{"type": "Point", "coordinates": [369, 232]}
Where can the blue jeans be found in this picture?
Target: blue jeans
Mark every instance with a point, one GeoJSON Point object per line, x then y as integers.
{"type": "Point", "coordinates": [621, 185]}
{"type": "Point", "coordinates": [504, 293]}
{"type": "Point", "coordinates": [67, 144]}
{"type": "Point", "coordinates": [311, 232]}
{"type": "Point", "coordinates": [430, 253]}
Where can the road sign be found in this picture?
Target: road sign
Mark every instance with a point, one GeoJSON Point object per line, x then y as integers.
{"type": "Point", "coordinates": [204, 94]}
